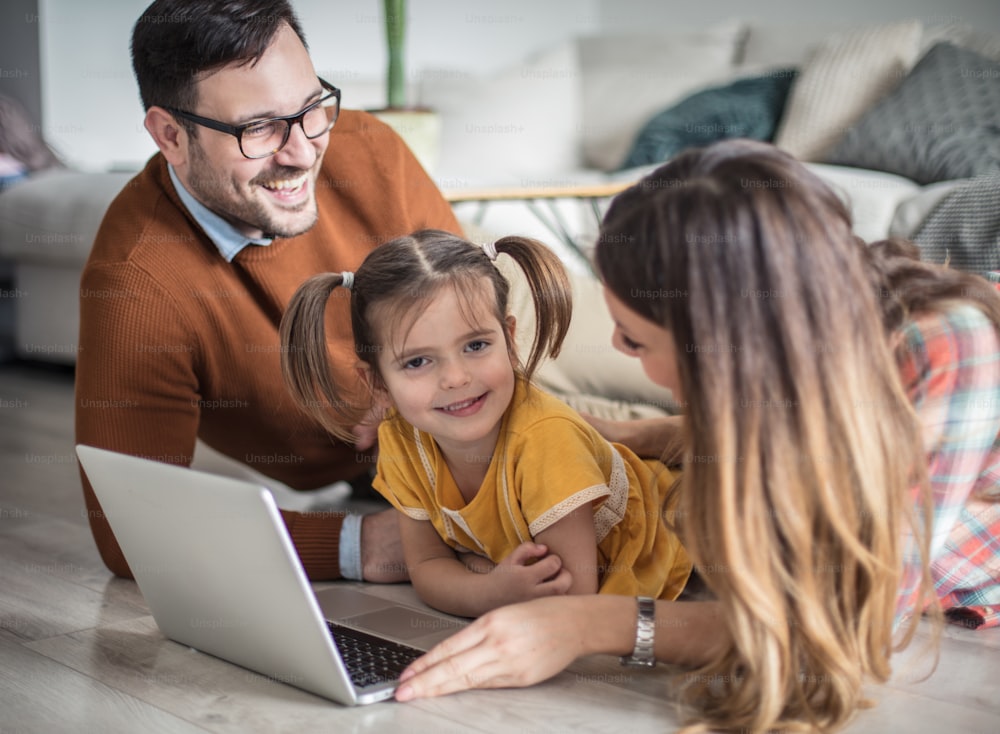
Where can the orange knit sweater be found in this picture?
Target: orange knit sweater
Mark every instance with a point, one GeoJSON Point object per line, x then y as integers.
{"type": "Point", "coordinates": [176, 343]}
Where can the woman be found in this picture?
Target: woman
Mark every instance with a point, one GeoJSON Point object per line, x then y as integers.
{"type": "Point", "coordinates": [835, 393]}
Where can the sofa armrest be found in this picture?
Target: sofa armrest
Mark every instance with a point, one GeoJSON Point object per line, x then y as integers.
{"type": "Point", "coordinates": [53, 216]}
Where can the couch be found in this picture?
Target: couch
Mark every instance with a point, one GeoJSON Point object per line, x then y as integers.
{"type": "Point", "coordinates": [582, 112]}
{"type": "Point", "coordinates": [47, 227]}
{"type": "Point", "coordinates": [574, 113]}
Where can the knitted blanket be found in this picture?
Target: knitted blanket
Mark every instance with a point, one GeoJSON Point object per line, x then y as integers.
{"type": "Point", "coordinates": [964, 229]}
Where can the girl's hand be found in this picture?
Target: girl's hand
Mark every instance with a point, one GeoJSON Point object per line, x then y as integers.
{"type": "Point", "coordinates": [512, 646]}
{"type": "Point", "coordinates": [530, 572]}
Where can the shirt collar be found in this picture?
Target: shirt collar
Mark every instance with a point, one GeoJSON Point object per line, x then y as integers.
{"type": "Point", "coordinates": [224, 235]}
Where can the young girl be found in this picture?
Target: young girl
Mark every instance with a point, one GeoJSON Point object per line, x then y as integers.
{"type": "Point", "coordinates": [506, 494]}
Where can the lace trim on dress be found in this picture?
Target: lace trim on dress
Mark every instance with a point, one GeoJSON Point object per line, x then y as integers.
{"type": "Point", "coordinates": [425, 460]}
{"type": "Point", "coordinates": [454, 517]}
{"type": "Point", "coordinates": [612, 511]}
{"type": "Point", "coordinates": [417, 513]}
{"type": "Point", "coordinates": [558, 512]}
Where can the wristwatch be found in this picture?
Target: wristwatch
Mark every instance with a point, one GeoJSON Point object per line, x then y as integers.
{"type": "Point", "coordinates": [642, 655]}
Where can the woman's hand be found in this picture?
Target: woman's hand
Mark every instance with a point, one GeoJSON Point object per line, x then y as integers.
{"type": "Point", "coordinates": [512, 646]}
{"type": "Point", "coordinates": [527, 643]}
{"type": "Point", "coordinates": [649, 438]}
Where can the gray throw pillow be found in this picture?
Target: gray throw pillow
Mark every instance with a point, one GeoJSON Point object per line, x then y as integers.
{"type": "Point", "coordinates": [942, 122]}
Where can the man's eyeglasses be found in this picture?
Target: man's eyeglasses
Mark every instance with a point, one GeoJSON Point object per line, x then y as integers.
{"type": "Point", "coordinates": [263, 138]}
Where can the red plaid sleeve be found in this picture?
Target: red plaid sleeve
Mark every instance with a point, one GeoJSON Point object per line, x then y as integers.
{"type": "Point", "coordinates": [950, 364]}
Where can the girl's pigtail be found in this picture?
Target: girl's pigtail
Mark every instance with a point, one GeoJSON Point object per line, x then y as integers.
{"type": "Point", "coordinates": [305, 359]}
{"type": "Point", "coordinates": [551, 292]}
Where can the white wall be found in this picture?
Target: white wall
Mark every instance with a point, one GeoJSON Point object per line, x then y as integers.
{"type": "Point", "coordinates": [90, 103]}
{"type": "Point", "coordinates": [19, 58]}
{"type": "Point", "coordinates": [91, 113]}
{"type": "Point", "coordinates": [629, 15]}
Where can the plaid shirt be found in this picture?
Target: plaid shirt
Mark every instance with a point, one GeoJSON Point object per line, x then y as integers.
{"type": "Point", "coordinates": [950, 365]}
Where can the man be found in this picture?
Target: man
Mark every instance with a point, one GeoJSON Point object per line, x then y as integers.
{"type": "Point", "coordinates": [260, 182]}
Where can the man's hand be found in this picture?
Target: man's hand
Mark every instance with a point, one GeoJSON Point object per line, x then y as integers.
{"type": "Point", "coordinates": [382, 559]}
{"type": "Point", "coordinates": [365, 435]}
{"type": "Point", "coordinates": [366, 432]}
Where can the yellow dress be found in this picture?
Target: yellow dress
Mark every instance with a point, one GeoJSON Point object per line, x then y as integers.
{"type": "Point", "coordinates": [548, 461]}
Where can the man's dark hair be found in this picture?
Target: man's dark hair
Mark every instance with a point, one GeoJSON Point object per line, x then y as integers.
{"type": "Point", "coordinates": [176, 40]}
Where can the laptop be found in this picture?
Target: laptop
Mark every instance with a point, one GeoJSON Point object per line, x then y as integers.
{"type": "Point", "coordinates": [214, 562]}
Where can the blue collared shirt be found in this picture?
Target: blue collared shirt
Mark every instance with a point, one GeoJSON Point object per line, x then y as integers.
{"type": "Point", "coordinates": [224, 235]}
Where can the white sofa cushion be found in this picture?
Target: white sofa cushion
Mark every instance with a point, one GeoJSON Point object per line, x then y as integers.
{"type": "Point", "coordinates": [629, 78]}
{"type": "Point", "coordinates": [521, 123]}
{"type": "Point", "coordinates": [872, 196]}
{"type": "Point", "coordinates": [840, 81]}
{"type": "Point", "coordinates": [771, 46]}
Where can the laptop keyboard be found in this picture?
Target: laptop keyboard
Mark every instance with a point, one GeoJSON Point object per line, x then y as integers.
{"type": "Point", "coordinates": [369, 659]}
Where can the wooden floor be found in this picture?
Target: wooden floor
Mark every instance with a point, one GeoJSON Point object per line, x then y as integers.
{"type": "Point", "coordinates": [80, 653]}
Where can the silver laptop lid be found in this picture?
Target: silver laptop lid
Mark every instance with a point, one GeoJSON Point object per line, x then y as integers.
{"type": "Point", "coordinates": [213, 560]}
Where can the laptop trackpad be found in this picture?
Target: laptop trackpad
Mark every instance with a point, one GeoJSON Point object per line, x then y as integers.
{"type": "Point", "coordinates": [401, 623]}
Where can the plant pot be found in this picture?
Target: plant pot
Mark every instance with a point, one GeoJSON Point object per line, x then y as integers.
{"type": "Point", "coordinates": [419, 128]}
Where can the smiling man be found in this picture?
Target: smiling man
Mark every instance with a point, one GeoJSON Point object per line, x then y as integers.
{"type": "Point", "coordinates": [260, 181]}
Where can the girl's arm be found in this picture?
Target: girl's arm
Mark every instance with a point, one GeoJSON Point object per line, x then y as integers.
{"type": "Point", "coordinates": [574, 540]}
{"type": "Point", "coordinates": [444, 582]}
{"type": "Point", "coordinates": [527, 643]}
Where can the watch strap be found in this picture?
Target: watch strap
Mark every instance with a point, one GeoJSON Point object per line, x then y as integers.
{"type": "Point", "coordinates": [645, 627]}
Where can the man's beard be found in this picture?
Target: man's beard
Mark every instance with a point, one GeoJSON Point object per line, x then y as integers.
{"type": "Point", "coordinates": [239, 208]}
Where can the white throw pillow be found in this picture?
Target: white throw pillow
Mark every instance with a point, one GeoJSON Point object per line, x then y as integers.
{"type": "Point", "coordinates": [871, 196]}
{"type": "Point", "coordinates": [630, 77]}
{"type": "Point", "coordinates": [846, 75]}
{"type": "Point", "coordinates": [520, 123]}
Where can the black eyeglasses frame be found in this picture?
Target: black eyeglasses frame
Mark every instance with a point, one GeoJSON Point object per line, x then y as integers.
{"type": "Point", "coordinates": [290, 120]}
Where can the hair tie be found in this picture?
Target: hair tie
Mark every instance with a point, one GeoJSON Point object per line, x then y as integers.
{"type": "Point", "coordinates": [490, 248]}
{"type": "Point", "coordinates": [347, 279]}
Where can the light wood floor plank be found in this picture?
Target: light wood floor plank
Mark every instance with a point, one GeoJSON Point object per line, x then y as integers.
{"type": "Point", "coordinates": [134, 657]}
{"type": "Point", "coordinates": [40, 695]}
{"type": "Point", "coordinates": [898, 711]}
{"type": "Point", "coordinates": [37, 601]}
{"type": "Point", "coordinates": [966, 672]}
